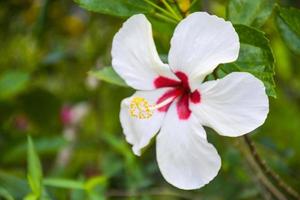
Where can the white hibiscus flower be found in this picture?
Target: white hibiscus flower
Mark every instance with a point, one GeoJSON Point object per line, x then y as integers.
{"type": "Point", "coordinates": [172, 100]}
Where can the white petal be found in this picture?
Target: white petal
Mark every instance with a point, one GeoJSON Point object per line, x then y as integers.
{"type": "Point", "coordinates": [139, 132]}
{"type": "Point", "coordinates": [134, 56]}
{"type": "Point", "coordinates": [200, 43]}
{"type": "Point", "coordinates": [234, 105]}
{"type": "Point", "coordinates": [185, 158]}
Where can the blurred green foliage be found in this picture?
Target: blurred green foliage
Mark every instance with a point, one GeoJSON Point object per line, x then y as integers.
{"type": "Point", "coordinates": [54, 86]}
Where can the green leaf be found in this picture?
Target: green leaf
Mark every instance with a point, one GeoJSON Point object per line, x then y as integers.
{"type": "Point", "coordinates": [64, 183]}
{"type": "Point", "coordinates": [5, 194]}
{"type": "Point", "coordinates": [291, 16]}
{"type": "Point", "coordinates": [37, 99]}
{"type": "Point", "coordinates": [95, 187]}
{"type": "Point", "coordinates": [287, 29]}
{"type": "Point", "coordinates": [13, 184]}
{"type": "Point", "coordinates": [34, 169]}
{"type": "Point", "coordinates": [121, 8]}
{"type": "Point", "coordinates": [93, 182]}
{"type": "Point", "coordinates": [12, 82]}
{"type": "Point", "coordinates": [31, 197]}
{"type": "Point", "coordinates": [250, 12]}
{"type": "Point", "coordinates": [43, 145]}
{"type": "Point", "coordinates": [107, 74]}
{"type": "Point", "coordinates": [255, 57]}
{"type": "Point", "coordinates": [77, 195]}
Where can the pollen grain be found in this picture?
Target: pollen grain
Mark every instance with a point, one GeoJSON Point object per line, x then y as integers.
{"type": "Point", "coordinates": [140, 108]}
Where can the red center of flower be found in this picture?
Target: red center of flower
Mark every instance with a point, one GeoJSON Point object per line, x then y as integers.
{"type": "Point", "coordinates": [181, 90]}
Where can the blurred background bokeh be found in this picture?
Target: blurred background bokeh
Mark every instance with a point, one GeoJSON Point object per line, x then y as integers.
{"type": "Point", "coordinates": [47, 48]}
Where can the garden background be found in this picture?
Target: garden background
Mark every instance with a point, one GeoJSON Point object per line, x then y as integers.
{"type": "Point", "coordinates": [60, 135]}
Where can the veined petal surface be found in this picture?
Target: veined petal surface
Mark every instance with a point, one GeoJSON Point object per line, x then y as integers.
{"type": "Point", "coordinates": [200, 43]}
{"type": "Point", "coordinates": [234, 105]}
{"type": "Point", "coordinates": [134, 56]}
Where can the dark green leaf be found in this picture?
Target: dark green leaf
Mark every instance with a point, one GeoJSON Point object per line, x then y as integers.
{"type": "Point", "coordinates": [37, 100]}
{"type": "Point", "coordinates": [14, 185]}
{"type": "Point", "coordinates": [291, 16]}
{"type": "Point", "coordinates": [42, 145]}
{"type": "Point", "coordinates": [122, 8]}
{"type": "Point", "coordinates": [109, 75]}
{"type": "Point", "coordinates": [12, 82]}
{"type": "Point", "coordinates": [195, 5]}
{"type": "Point", "coordinates": [34, 169]}
{"type": "Point", "coordinates": [255, 57]}
{"type": "Point", "coordinates": [256, 38]}
{"type": "Point", "coordinates": [288, 31]}
{"type": "Point", "coordinates": [250, 12]}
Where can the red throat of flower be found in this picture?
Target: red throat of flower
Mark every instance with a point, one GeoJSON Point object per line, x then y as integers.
{"type": "Point", "coordinates": [180, 91]}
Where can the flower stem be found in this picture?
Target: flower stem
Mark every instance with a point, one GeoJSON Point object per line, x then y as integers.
{"type": "Point", "coordinates": [183, 14]}
{"type": "Point", "coordinates": [268, 171]}
{"type": "Point", "coordinates": [267, 185]}
{"type": "Point", "coordinates": [167, 5]}
{"type": "Point", "coordinates": [163, 17]}
{"type": "Point", "coordinates": [162, 10]}
{"type": "Point", "coordinates": [193, 3]}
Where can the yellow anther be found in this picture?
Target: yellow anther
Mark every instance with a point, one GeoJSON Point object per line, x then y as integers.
{"type": "Point", "coordinates": [140, 108]}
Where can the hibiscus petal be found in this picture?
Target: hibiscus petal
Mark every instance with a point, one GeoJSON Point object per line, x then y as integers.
{"type": "Point", "coordinates": [185, 158]}
{"type": "Point", "coordinates": [234, 105]}
{"type": "Point", "coordinates": [139, 132]}
{"type": "Point", "coordinates": [200, 43]}
{"type": "Point", "coordinates": [134, 56]}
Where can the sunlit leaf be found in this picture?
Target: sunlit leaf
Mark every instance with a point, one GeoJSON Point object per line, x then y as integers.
{"type": "Point", "coordinates": [255, 57]}
{"type": "Point", "coordinates": [12, 82]}
{"type": "Point", "coordinates": [5, 194]}
{"type": "Point", "coordinates": [34, 169]}
{"type": "Point", "coordinates": [95, 187]}
{"type": "Point", "coordinates": [93, 182]}
{"type": "Point", "coordinates": [107, 74]}
{"type": "Point", "coordinates": [31, 197]}
{"type": "Point", "coordinates": [64, 183]}
{"type": "Point", "coordinates": [250, 12]}
{"type": "Point", "coordinates": [122, 8]}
